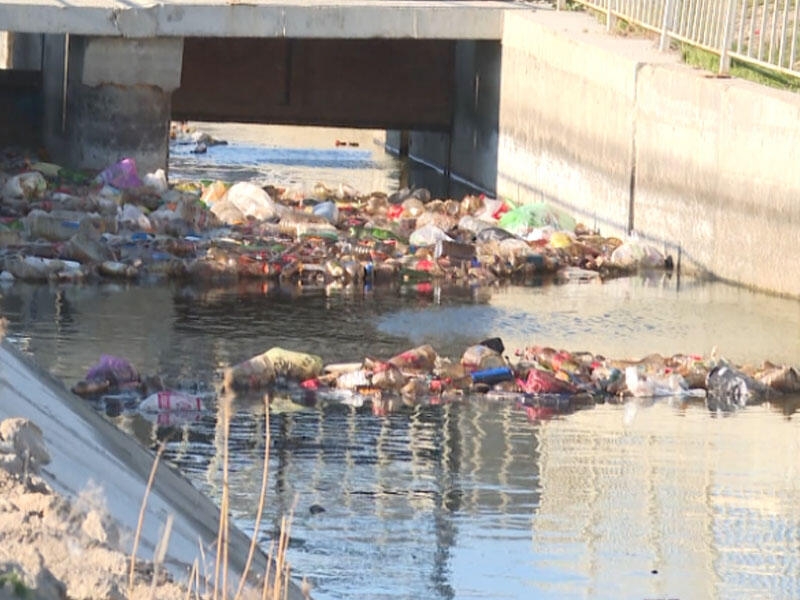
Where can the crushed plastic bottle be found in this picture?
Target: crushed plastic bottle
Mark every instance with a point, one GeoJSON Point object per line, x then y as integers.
{"type": "Point", "coordinates": [171, 401]}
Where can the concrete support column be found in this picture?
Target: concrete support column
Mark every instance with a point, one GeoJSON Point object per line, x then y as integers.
{"type": "Point", "coordinates": [20, 51]}
{"type": "Point", "coordinates": [109, 98]}
{"type": "Point", "coordinates": [468, 152]}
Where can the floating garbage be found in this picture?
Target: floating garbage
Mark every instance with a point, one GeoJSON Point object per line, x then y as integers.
{"type": "Point", "coordinates": [730, 389]}
{"type": "Point", "coordinates": [171, 401]}
{"type": "Point", "coordinates": [122, 175]}
{"type": "Point", "coordinates": [25, 185]}
{"type": "Point", "coordinates": [338, 236]}
{"type": "Point", "coordinates": [294, 365]}
{"type": "Point", "coordinates": [543, 381]}
{"type": "Point", "coordinates": [254, 373]}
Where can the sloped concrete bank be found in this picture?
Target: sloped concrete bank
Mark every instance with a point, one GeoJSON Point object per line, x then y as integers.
{"type": "Point", "coordinates": [628, 139]}
{"type": "Point", "coordinates": [88, 452]}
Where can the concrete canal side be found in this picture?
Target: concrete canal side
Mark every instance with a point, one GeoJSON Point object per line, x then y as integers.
{"type": "Point", "coordinates": [88, 451]}
{"type": "Point", "coordinates": [629, 139]}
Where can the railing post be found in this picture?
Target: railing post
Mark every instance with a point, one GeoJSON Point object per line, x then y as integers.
{"type": "Point", "coordinates": [724, 55]}
{"type": "Point", "coordinates": [610, 17]}
{"type": "Point", "coordinates": [666, 24]}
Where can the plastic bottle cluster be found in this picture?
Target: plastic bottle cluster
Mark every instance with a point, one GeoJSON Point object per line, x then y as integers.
{"type": "Point", "coordinates": [57, 224]}
{"type": "Point", "coordinates": [542, 380]}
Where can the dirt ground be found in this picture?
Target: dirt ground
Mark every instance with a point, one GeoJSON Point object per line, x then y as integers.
{"type": "Point", "coordinates": [54, 548]}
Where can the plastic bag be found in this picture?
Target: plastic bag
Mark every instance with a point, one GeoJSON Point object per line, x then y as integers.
{"type": "Point", "coordinates": [132, 216]}
{"type": "Point", "coordinates": [113, 369]}
{"type": "Point", "coordinates": [421, 358]}
{"type": "Point", "coordinates": [428, 236]}
{"type": "Point", "coordinates": [327, 210]}
{"type": "Point", "coordinates": [634, 253]}
{"type": "Point", "coordinates": [252, 201]}
{"type": "Point", "coordinates": [386, 376]}
{"type": "Point", "coordinates": [121, 175]}
{"type": "Point", "coordinates": [729, 388]}
{"type": "Point", "coordinates": [653, 385]}
{"type": "Point", "coordinates": [480, 357]}
{"type": "Point", "coordinates": [253, 373]}
{"type": "Point", "coordinates": [213, 193]}
{"type": "Point", "coordinates": [412, 208]}
{"type": "Point", "coordinates": [523, 219]}
{"type": "Point", "coordinates": [295, 365]}
{"type": "Point", "coordinates": [25, 185]}
{"type": "Point", "coordinates": [543, 382]}
{"type": "Point", "coordinates": [157, 181]}
{"type": "Point", "coordinates": [781, 378]}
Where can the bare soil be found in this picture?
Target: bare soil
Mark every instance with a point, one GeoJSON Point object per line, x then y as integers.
{"type": "Point", "coordinates": [55, 548]}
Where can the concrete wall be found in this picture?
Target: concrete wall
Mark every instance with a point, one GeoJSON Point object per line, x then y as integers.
{"type": "Point", "coordinates": [717, 174]}
{"type": "Point", "coordinates": [468, 150]}
{"type": "Point", "coordinates": [20, 108]}
{"type": "Point", "coordinates": [117, 99]}
{"type": "Point", "coordinates": [626, 138]}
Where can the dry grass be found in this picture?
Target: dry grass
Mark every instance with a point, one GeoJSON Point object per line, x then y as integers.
{"type": "Point", "coordinates": [275, 587]}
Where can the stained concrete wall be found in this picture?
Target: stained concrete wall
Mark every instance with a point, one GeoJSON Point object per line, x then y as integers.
{"type": "Point", "coordinates": [468, 150]}
{"type": "Point", "coordinates": [627, 138]}
{"type": "Point", "coordinates": [116, 103]}
{"type": "Point", "coordinates": [717, 174]}
{"type": "Point", "coordinates": [20, 108]}
{"type": "Point", "coordinates": [567, 117]}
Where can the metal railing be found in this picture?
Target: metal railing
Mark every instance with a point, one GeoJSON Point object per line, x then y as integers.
{"type": "Point", "coordinates": [759, 32]}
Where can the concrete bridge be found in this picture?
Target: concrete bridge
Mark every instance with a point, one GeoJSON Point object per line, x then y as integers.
{"type": "Point", "coordinates": [115, 73]}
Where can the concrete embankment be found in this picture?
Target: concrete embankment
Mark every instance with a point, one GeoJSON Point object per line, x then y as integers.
{"type": "Point", "coordinates": [88, 451]}
{"type": "Point", "coordinates": [630, 139]}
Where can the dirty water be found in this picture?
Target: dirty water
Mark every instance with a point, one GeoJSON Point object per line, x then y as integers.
{"type": "Point", "coordinates": [473, 499]}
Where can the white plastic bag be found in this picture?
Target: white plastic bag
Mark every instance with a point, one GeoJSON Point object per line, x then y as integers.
{"type": "Point", "coordinates": [252, 201]}
{"type": "Point", "coordinates": [428, 236]}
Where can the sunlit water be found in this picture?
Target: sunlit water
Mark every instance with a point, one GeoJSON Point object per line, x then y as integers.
{"type": "Point", "coordinates": [474, 499]}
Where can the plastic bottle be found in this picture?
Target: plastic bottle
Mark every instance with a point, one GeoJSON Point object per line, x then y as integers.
{"type": "Point", "coordinates": [492, 376]}
{"type": "Point", "coordinates": [170, 400]}
{"type": "Point", "coordinates": [54, 227]}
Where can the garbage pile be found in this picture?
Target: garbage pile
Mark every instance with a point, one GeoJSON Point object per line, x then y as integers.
{"type": "Point", "coordinates": [62, 225]}
{"type": "Point", "coordinates": [536, 378]}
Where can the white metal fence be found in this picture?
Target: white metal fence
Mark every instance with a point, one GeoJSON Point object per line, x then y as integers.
{"type": "Point", "coordinates": [760, 32]}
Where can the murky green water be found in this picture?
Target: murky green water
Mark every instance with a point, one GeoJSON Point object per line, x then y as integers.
{"type": "Point", "coordinates": [474, 499]}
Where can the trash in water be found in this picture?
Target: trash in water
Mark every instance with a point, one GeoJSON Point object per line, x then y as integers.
{"type": "Point", "coordinates": [729, 389]}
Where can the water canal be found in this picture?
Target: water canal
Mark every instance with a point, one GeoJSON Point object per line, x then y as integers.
{"type": "Point", "coordinates": [473, 499]}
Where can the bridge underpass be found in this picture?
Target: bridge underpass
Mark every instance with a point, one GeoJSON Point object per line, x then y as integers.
{"type": "Point", "coordinates": [375, 83]}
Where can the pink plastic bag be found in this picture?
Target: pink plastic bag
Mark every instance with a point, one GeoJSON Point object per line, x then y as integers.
{"type": "Point", "coordinates": [542, 382]}
{"type": "Point", "coordinates": [122, 175]}
{"type": "Point", "coordinates": [117, 371]}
